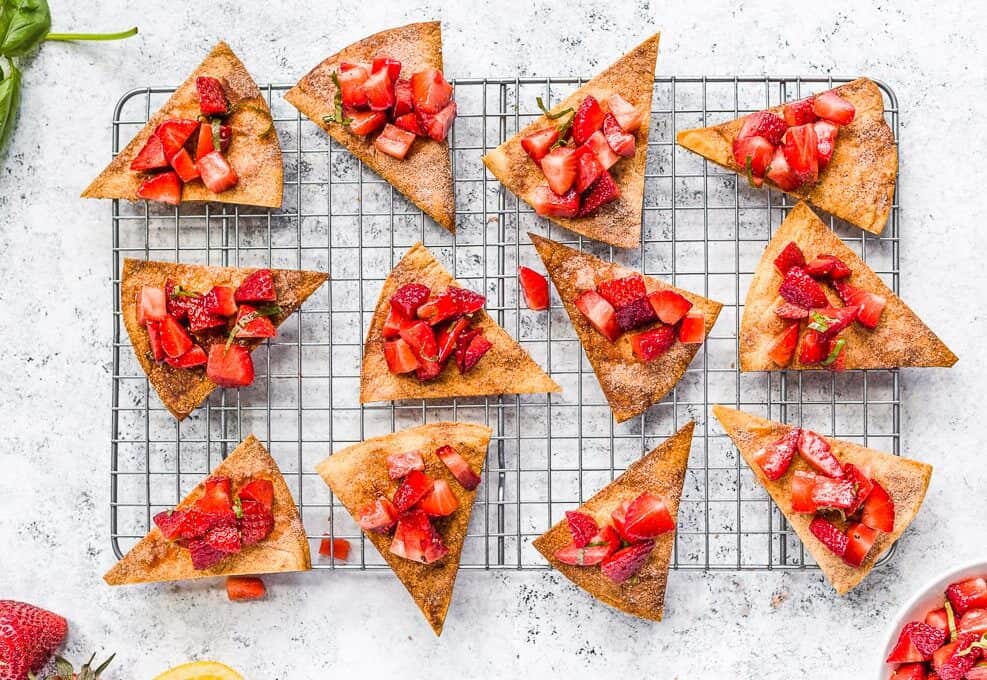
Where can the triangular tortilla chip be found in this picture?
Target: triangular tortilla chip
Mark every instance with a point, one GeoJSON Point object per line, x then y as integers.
{"type": "Point", "coordinates": [661, 472]}
{"type": "Point", "coordinates": [619, 222]}
{"type": "Point", "coordinates": [857, 185]}
{"type": "Point", "coordinates": [425, 174]}
{"type": "Point", "coordinates": [905, 480]}
{"type": "Point", "coordinates": [900, 339]}
{"type": "Point", "coordinates": [254, 152]}
{"type": "Point", "coordinates": [505, 369]}
{"type": "Point", "coordinates": [358, 475]}
{"type": "Point", "coordinates": [155, 558]}
{"type": "Point", "coordinates": [183, 389]}
{"type": "Point", "coordinates": [629, 384]}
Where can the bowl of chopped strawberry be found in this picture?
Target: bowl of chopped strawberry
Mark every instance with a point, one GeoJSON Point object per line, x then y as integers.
{"type": "Point", "coordinates": [941, 632]}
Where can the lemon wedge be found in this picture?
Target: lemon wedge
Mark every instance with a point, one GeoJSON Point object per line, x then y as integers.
{"type": "Point", "coordinates": [200, 670]}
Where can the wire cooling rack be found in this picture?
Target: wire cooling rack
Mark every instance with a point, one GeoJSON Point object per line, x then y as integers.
{"type": "Point", "coordinates": [703, 229]}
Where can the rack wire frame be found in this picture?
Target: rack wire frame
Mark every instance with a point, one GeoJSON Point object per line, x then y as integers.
{"type": "Point", "coordinates": [703, 229]}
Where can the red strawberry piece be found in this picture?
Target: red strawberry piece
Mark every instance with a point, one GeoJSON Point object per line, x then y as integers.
{"type": "Point", "coordinates": [535, 288]}
{"type": "Point", "coordinates": [604, 154]}
{"type": "Point", "coordinates": [817, 452]}
{"type": "Point", "coordinates": [878, 509]}
{"type": "Point", "coordinates": [753, 154]}
{"type": "Point", "coordinates": [956, 660]}
{"type": "Point", "coordinates": [763, 124]}
{"type": "Point", "coordinates": [217, 497]}
{"type": "Point", "coordinates": [392, 66]}
{"type": "Point", "coordinates": [250, 324]}
{"type": "Point", "coordinates": [225, 538]}
{"type": "Point", "coordinates": [454, 302]}
{"type": "Point", "coordinates": [150, 157]}
{"type": "Point", "coordinates": [635, 315]}
{"type": "Point", "coordinates": [204, 144]}
{"type": "Point", "coordinates": [547, 203]}
{"type": "Point", "coordinates": [582, 527]}
{"type": "Point", "coordinates": [411, 123]}
{"type": "Point", "coordinates": [801, 488]}
{"type": "Point", "coordinates": [916, 643]}
{"type": "Point", "coordinates": [862, 483]}
{"type": "Point", "coordinates": [393, 324]}
{"type": "Point", "coordinates": [783, 348]}
{"type": "Point", "coordinates": [622, 143]}
{"type": "Point", "coordinates": [828, 266]}
{"type": "Point", "coordinates": [617, 516]}
{"type": "Point", "coordinates": [230, 367]}
{"type": "Point", "coordinates": [334, 548]}
{"type": "Point", "coordinates": [402, 463]}
{"type": "Point", "coordinates": [378, 516]}
{"type": "Point", "coordinates": [790, 256]}
{"type": "Point", "coordinates": [973, 621]}
{"type": "Point", "coordinates": [625, 563]}
{"type": "Point", "coordinates": [539, 143]}
{"type": "Point", "coordinates": [780, 172]}
{"type": "Point", "coordinates": [379, 90]}
{"type": "Point", "coordinates": [647, 517]}
{"type": "Point", "coordinates": [175, 301]}
{"type": "Point", "coordinates": [260, 490]}
{"type": "Point", "coordinates": [165, 187]}
{"type": "Point", "coordinates": [416, 539]}
{"type": "Point", "coordinates": [430, 91]}
{"type": "Point", "coordinates": [428, 370]}
{"type": "Point", "coordinates": [448, 340]}
{"type": "Point", "coordinates": [833, 107]}
{"type": "Point", "coordinates": [437, 125]}
{"type": "Point", "coordinates": [173, 134]}
{"type": "Point", "coordinates": [692, 328]}
{"type": "Point", "coordinates": [587, 120]}
{"type": "Point", "coordinates": [257, 287]}
{"type": "Point", "coordinates": [192, 358]}
{"type": "Point", "coordinates": [599, 547]}
{"type": "Point", "coordinates": [421, 340]}
{"type": "Point", "coordinates": [825, 140]}
{"type": "Point", "coordinates": [860, 539]}
{"type": "Point", "coordinates": [628, 116]}
{"type": "Point", "coordinates": [800, 146]}
{"type": "Point", "coordinates": [669, 306]}
{"type": "Point", "coordinates": [408, 298]}
{"type": "Point", "coordinates": [174, 340]}
{"type": "Point", "coordinates": [814, 348]}
{"type": "Point", "coordinates": [836, 494]}
{"type": "Point", "coordinates": [939, 620]}
{"type": "Point", "coordinates": [245, 588]}
{"type": "Point", "coordinates": [412, 489]}
{"type": "Point", "coordinates": [968, 594]}
{"type": "Point", "coordinates": [829, 535]}
{"type": "Point", "coordinates": [786, 310]}
{"type": "Point", "coordinates": [561, 168]}
{"type": "Point", "coordinates": [801, 289]}
{"type": "Point", "coordinates": [217, 174]}
{"type": "Point", "coordinates": [599, 313]}
{"type": "Point", "coordinates": [623, 291]}
{"type": "Point", "coordinates": [212, 98]}
{"type": "Point", "coordinates": [351, 79]}
{"type": "Point", "coordinates": [365, 122]}
{"type": "Point", "coordinates": [403, 98]}
{"type": "Point", "coordinates": [799, 112]}
{"type": "Point", "coordinates": [29, 636]}
{"type": "Point", "coordinates": [399, 356]}
{"type": "Point", "coordinates": [588, 168]}
{"type": "Point", "coordinates": [151, 304]}
{"type": "Point", "coordinates": [871, 305]}
{"type": "Point", "coordinates": [220, 300]}
{"type": "Point", "coordinates": [775, 458]}
{"type": "Point", "coordinates": [154, 335]}
{"type": "Point", "coordinates": [394, 141]}
{"type": "Point", "coordinates": [204, 555]}
{"type": "Point", "coordinates": [651, 344]}
{"type": "Point", "coordinates": [199, 318]}
{"type": "Point", "coordinates": [467, 301]}
{"type": "Point", "coordinates": [458, 466]}
{"type": "Point", "coordinates": [440, 501]}
{"type": "Point", "coordinates": [469, 355]}
{"type": "Point", "coordinates": [830, 321]}
{"type": "Point", "coordinates": [170, 523]}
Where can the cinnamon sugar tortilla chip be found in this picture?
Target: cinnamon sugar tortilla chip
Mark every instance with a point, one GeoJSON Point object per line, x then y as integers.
{"type": "Point", "coordinates": [155, 558]}
{"type": "Point", "coordinates": [358, 476]}
{"type": "Point", "coordinates": [254, 152]}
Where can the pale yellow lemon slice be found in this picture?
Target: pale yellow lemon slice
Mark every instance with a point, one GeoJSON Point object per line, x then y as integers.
{"type": "Point", "coordinates": [200, 670]}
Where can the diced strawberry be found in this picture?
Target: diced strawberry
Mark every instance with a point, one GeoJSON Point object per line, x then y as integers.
{"type": "Point", "coordinates": [335, 548]}
{"type": "Point", "coordinates": [394, 141]}
{"type": "Point", "coordinates": [780, 173]}
{"type": "Point", "coordinates": [220, 300]}
{"type": "Point", "coordinates": [836, 494]}
{"type": "Point", "coordinates": [366, 122]}
{"type": "Point", "coordinates": [582, 527]}
{"type": "Point", "coordinates": [217, 496]}
{"type": "Point", "coordinates": [176, 300]}
{"type": "Point", "coordinates": [184, 166]}
{"type": "Point", "coordinates": [151, 304]}
{"type": "Point", "coordinates": [415, 485]}
{"type": "Point", "coordinates": [622, 143]}
{"type": "Point", "coordinates": [217, 174]}
{"type": "Point", "coordinates": [411, 123]}
{"type": "Point", "coordinates": [442, 308]}
{"type": "Point", "coordinates": [400, 464]}
{"type": "Point", "coordinates": [212, 98]}
{"type": "Point", "coordinates": [817, 452]}
{"type": "Point", "coordinates": [871, 305]}
{"type": "Point", "coordinates": [549, 204]}
{"type": "Point", "coordinates": [154, 335]}
{"type": "Point", "coordinates": [790, 256]}
{"type": "Point", "coordinates": [775, 458]}
{"type": "Point", "coordinates": [604, 154]}
{"type": "Point", "coordinates": [799, 112]}
{"type": "Point", "coordinates": [753, 154]}
{"type": "Point", "coordinates": [603, 191]}
{"type": "Point", "coordinates": [830, 321]}
{"type": "Point", "coordinates": [828, 267]}
{"type": "Point", "coordinates": [625, 563]}
{"type": "Point", "coordinates": [416, 539]}
{"type": "Point", "coordinates": [230, 367]}
{"type": "Point", "coordinates": [260, 490]}
{"type": "Point", "coordinates": [403, 99]}
{"type": "Point", "coordinates": [192, 358]}
{"type": "Point", "coordinates": [622, 291]}
{"type": "Point", "coordinates": [560, 167]}
{"type": "Point", "coordinates": [861, 482]}
{"type": "Point", "coordinates": [833, 107]}
{"type": "Point", "coordinates": [651, 344]}
{"type": "Point", "coordinates": [399, 356]}
{"type": "Point", "coordinates": [588, 168]}
{"type": "Point", "coordinates": [938, 619]}
{"type": "Point", "coordinates": [393, 324]}
{"type": "Point", "coordinates": [430, 90]}
{"type": "Point", "coordinates": [910, 671]}
{"type": "Point", "coordinates": [257, 287]}
{"type": "Point", "coordinates": [647, 517]}
{"type": "Point", "coordinates": [628, 116]}
{"type": "Point", "coordinates": [469, 355]}
{"type": "Point", "coordinates": [692, 328]}
{"type": "Point", "coordinates": [814, 347]}
{"type": "Point", "coordinates": [916, 643]}
{"type": "Point", "coordinates": [763, 124]}
{"type": "Point", "coordinates": [801, 289]}
{"type": "Point", "coordinates": [973, 621]}
{"type": "Point", "coordinates": [150, 157]}
{"type": "Point", "coordinates": [637, 314]}
{"type": "Point", "coordinates": [170, 522]}
{"type": "Point", "coordinates": [801, 488]}
{"type": "Point", "coordinates": [826, 140]}
{"type": "Point", "coordinates": [800, 147]}
{"type": "Point", "coordinates": [199, 318]}
{"type": "Point", "coordinates": [204, 143]}
{"type": "Point", "coordinates": [440, 501]}
{"type": "Point", "coordinates": [597, 548]}
{"type": "Point", "coordinates": [669, 306]}
{"type": "Point", "coordinates": [467, 301]}
{"type": "Point", "coordinates": [458, 466]}
{"type": "Point", "coordinates": [351, 79]}
{"type": "Point", "coordinates": [378, 516]}
{"type": "Point", "coordinates": [539, 143]}
{"type": "Point", "coordinates": [393, 66]}
{"type": "Point", "coordinates": [379, 90]}
{"type": "Point", "coordinates": [421, 339]}
{"type": "Point", "coordinates": [242, 588]}
{"type": "Point", "coordinates": [618, 515]}
{"type": "Point", "coordinates": [173, 134]}
{"type": "Point", "coordinates": [250, 324]}
{"type": "Point", "coordinates": [437, 125]}
{"type": "Point", "coordinates": [829, 535]}
{"type": "Point", "coordinates": [968, 594]}
{"type": "Point", "coordinates": [448, 340]}
{"type": "Point", "coordinates": [165, 187]}
{"type": "Point", "coordinates": [535, 288]}
{"type": "Point", "coordinates": [783, 348]}
{"type": "Point", "coordinates": [950, 664]}
{"type": "Point", "coordinates": [408, 298]}
{"type": "Point", "coordinates": [600, 313]}
{"type": "Point", "coordinates": [255, 522]}
{"type": "Point", "coordinates": [587, 120]}
{"type": "Point", "coordinates": [174, 340]}
{"type": "Point", "coordinates": [878, 509]}
{"type": "Point", "coordinates": [786, 310]}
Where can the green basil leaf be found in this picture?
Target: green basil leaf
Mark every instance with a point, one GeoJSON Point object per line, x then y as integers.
{"type": "Point", "coordinates": [30, 22]}
{"type": "Point", "coordinates": [10, 97]}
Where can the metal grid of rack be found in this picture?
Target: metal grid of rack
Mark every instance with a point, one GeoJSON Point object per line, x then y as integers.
{"type": "Point", "coordinates": [703, 230]}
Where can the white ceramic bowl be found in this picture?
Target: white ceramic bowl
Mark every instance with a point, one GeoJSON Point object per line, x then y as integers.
{"type": "Point", "coordinates": [928, 597]}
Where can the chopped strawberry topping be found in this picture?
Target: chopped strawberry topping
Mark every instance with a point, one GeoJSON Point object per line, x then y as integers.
{"type": "Point", "coordinates": [625, 563]}
{"type": "Point", "coordinates": [692, 328]}
{"type": "Point", "coordinates": [154, 335]}
{"type": "Point", "coordinates": [440, 501]}
{"type": "Point", "coordinates": [837, 494]}
{"type": "Point", "coordinates": [257, 287]}
{"type": "Point", "coordinates": [408, 298]}
{"type": "Point", "coordinates": [403, 99]}
{"type": "Point", "coordinates": [786, 310]}
{"type": "Point", "coordinates": [833, 107]}
{"type": "Point", "coordinates": [539, 143]}
{"type": "Point", "coordinates": [871, 305]}
{"type": "Point", "coordinates": [379, 90]}
{"type": "Point", "coordinates": [775, 458]}
{"type": "Point", "coordinates": [421, 339]}
{"type": "Point", "coordinates": [753, 154]}
{"type": "Point", "coordinates": [378, 516]}
{"type": "Point", "coordinates": [394, 141]}
{"type": "Point", "coordinates": [217, 174]}
{"type": "Point", "coordinates": [800, 146]}
{"type": "Point", "coordinates": [826, 140]}
{"type": "Point", "coordinates": [582, 527]}
{"type": "Point", "coordinates": [763, 124]}
{"type": "Point", "coordinates": [351, 78]}
{"type": "Point", "coordinates": [622, 143]}
{"type": "Point", "coordinates": [651, 344]}
{"type": "Point", "coordinates": [560, 167]}
{"type": "Point", "coordinates": [635, 315]}
{"type": "Point", "coordinates": [416, 539]}
{"type": "Point", "coordinates": [830, 321]}
{"type": "Point", "coordinates": [256, 521]}
{"type": "Point", "coordinates": [459, 467]}
{"type": "Point", "coordinates": [670, 306]}
{"type": "Point", "coordinates": [204, 144]}
{"type": "Point", "coordinates": [829, 535]}
{"type": "Point", "coordinates": [411, 123]}
{"type": "Point", "coordinates": [587, 120]}
{"type": "Point", "coordinates": [535, 288]}
{"type": "Point", "coordinates": [437, 126]}
{"type": "Point", "coordinates": [602, 192]}
{"type": "Point", "coordinates": [212, 99]}
{"type": "Point", "coordinates": [549, 204]}
{"type": "Point", "coordinates": [392, 66]}
{"type": "Point", "coordinates": [220, 300]}
{"type": "Point", "coordinates": [230, 367]}
{"type": "Point", "coordinates": [878, 511]}
{"type": "Point", "coordinates": [165, 187]}
{"type": "Point", "coordinates": [790, 256]}
{"type": "Point", "coordinates": [606, 156]}
{"type": "Point", "coordinates": [780, 172]}
{"type": "Point", "coordinates": [623, 291]}
{"type": "Point", "coordinates": [828, 266]}
{"type": "Point", "coordinates": [400, 464]}
{"type": "Point", "coordinates": [151, 305]}
{"type": "Point", "coordinates": [801, 488]}
{"type": "Point", "coordinates": [628, 116]}
{"type": "Point", "coordinates": [184, 166]}
{"type": "Point", "coordinates": [174, 340]}
{"type": "Point", "coordinates": [448, 340]}
{"type": "Point", "coordinates": [588, 168]}
{"type": "Point", "coordinates": [598, 548]}
{"type": "Point", "coordinates": [800, 289]}
{"type": "Point", "coordinates": [860, 539]}
{"type": "Point", "coordinates": [151, 156]}
{"type": "Point", "coordinates": [430, 90]}
{"type": "Point", "coordinates": [600, 313]}
{"type": "Point", "coordinates": [817, 452]}
{"type": "Point", "coordinates": [799, 112]}
{"type": "Point", "coordinates": [366, 122]}
{"type": "Point", "coordinates": [413, 488]}
{"type": "Point", "coordinates": [194, 357]}
{"type": "Point", "coordinates": [861, 482]}
{"type": "Point", "coordinates": [647, 517]}
{"type": "Point", "coordinates": [335, 548]}
{"type": "Point", "coordinates": [814, 347]}
{"type": "Point", "coordinates": [199, 318]}
{"type": "Point", "coordinates": [783, 348]}
{"type": "Point", "coordinates": [173, 134]}
{"type": "Point", "coordinates": [250, 324]}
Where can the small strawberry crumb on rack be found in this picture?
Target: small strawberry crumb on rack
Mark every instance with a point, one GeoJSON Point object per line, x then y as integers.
{"type": "Point", "coordinates": [245, 588]}
{"type": "Point", "coordinates": [334, 548]}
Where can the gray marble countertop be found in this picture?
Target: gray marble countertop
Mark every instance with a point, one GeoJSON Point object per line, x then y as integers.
{"type": "Point", "coordinates": [56, 376]}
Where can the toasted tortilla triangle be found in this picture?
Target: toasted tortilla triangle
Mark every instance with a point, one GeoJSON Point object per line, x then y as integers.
{"type": "Point", "coordinates": [629, 384]}
{"type": "Point", "coordinates": [155, 558]}
{"type": "Point", "coordinates": [505, 369]}
{"type": "Point", "coordinates": [182, 390]}
{"type": "Point", "coordinates": [618, 223]}
{"type": "Point", "coordinates": [425, 174]}
{"type": "Point", "coordinates": [900, 339]}
{"type": "Point", "coordinates": [358, 476]}
{"type": "Point", "coordinates": [254, 152]}
{"type": "Point", "coordinates": [857, 185]}
{"type": "Point", "coordinates": [661, 472]}
{"type": "Point", "coordinates": [905, 480]}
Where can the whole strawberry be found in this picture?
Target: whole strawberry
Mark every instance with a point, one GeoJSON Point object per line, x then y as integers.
{"type": "Point", "coordinates": [28, 637]}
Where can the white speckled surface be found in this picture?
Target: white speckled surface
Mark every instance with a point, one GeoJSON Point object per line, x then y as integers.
{"type": "Point", "coordinates": [56, 373]}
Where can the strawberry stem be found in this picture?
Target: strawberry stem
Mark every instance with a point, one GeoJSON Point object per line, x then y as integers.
{"type": "Point", "coordinates": [64, 37]}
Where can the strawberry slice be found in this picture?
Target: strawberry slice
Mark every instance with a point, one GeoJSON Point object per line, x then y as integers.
{"type": "Point", "coordinates": [561, 168]}
{"type": "Point", "coordinates": [647, 517]}
{"type": "Point", "coordinates": [860, 539]}
{"type": "Point", "coordinates": [653, 343]}
{"type": "Point", "coordinates": [378, 516]}
{"type": "Point", "coordinates": [814, 348]}
{"type": "Point", "coordinates": [260, 490]}
{"type": "Point", "coordinates": [244, 588]}
{"type": "Point", "coordinates": [835, 494]}
{"type": "Point", "coordinates": [817, 453]}
{"type": "Point", "coordinates": [800, 146]}
{"type": "Point", "coordinates": [199, 318]}
{"type": "Point", "coordinates": [437, 126]}
{"type": "Point", "coordinates": [250, 324]}
{"type": "Point", "coordinates": [628, 116]}
{"type": "Point", "coordinates": [192, 358]}
{"type": "Point", "coordinates": [416, 539]}
{"type": "Point", "coordinates": [442, 308]}
{"type": "Point", "coordinates": [968, 594]}
{"type": "Point", "coordinates": [775, 458]}
{"type": "Point", "coordinates": [379, 90]}
{"type": "Point", "coordinates": [151, 304]}
{"type": "Point", "coordinates": [799, 112]}
{"type": "Point", "coordinates": [939, 620]}
{"type": "Point", "coordinates": [204, 143]}
{"type": "Point", "coordinates": [150, 157]}
{"type": "Point", "coordinates": [535, 288]}
{"type": "Point", "coordinates": [786, 310]}
{"type": "Point", "coordinates": [878, 510]}
{"type": "Point", "coordinates": [184, 166]}
{"type": "Point", "coordinates": [440, 501]}
{"type": "Point", "coordinates": [780, 173]}
{"type": "Point", "coordinates": [949, 664]}
{"type": "Point", "coordinates": [600, 313]}
{"type": "Point", "coordinates": [828, 267]}
{"type": "Point", "coordinates": [582, 527]}
{"type": "Point", "coordinates": [669, 306]}
{"type": "Point", "coordinates": [587, 120]}
{"type": "Point", "coordinates": [801, 488]}
{"type": "Point", "coordinates": [174, 340]}
{"type": "Point", "coordinates": [230, 367]}
{"type": "Point", "coordinates": [783, 348]}
{"type": "Point", "coordinates": [173, 134]}
{"type": "Point", "coordinates": [393, 324]}
{"type": "Point", "coordinates": [403, 99]}
{"type": "Point", "coordinates": [430, 91]}
{"type": "Point", "coordinates": [833, 107]}
{"type": "Point", "coordinates": [154, 335]}
{"type": "Point", "coordinates": [415, 486]}
{"type": "Point", "coordinates": [603, 191]}
{"type": "Point", "coordinates": [448, 340]}
{"type": "Point", "coordinates": [469, 355]}
{"type": "Point", "coordinates": [401, 464]}
{"type": "Point", "coordinates": [421, 339]}
{"type": "Point", "coordinates": [212, 98]}
{"type": "Point", "coordinates": [539, 143]}
{"type": "Point", "coordinates": [754, 154]}
{"type": "Point", "coordinates": [547, 203]}
{"type": "Point", "coordinates": [459, 467]}
{"type": "Point", "coordinates": [334, 548]}
{"type": "Point", "coordinates": [257, 287]}
{"type": "Point", "coordinates": [225, 538]}
{"type": "Point", "coordinates": [366, 122]}
{"type": "Point", "coordinates": [829, 535]}
{"type": "Point", "coordinates": [622, 143]}
{"type": "Point", "coordinates": [625, 563]}
{"type": "Point", "coordinates": [411, 123]}
{"type": "Point", "coordinates": [394, 141]}
{"type": "Point", "coordinates": [256, 522]}
{"type": "Point", "coordinates": [604, 154]}
{"type": "Point", "coordinates": [220, 300]}
{"type": "Point", "coordinates": [801, 289]}
{"type": "Point", "coordinates": [351, 78]}
{"type": "Point", "coordinates": [826, 140]}
{"type": "Point", "coordinates": [862, 483]}
{"type": "Point", "coordinates": [973, 621]}
{"type": "Point", "coordinates": [763, 124]}
{"type": "Point", "coordinates": [217, 174]}
{"type": "Point", "coordinates": [830, 321]}
{"type": "Point", "coordinates": [870, 305]}
{"type": "Point", "coordinates": [392, 66]}
{"type": "Point", "coordinates": [916, 643]}
{"type": "Point", "coordinates": [588, 168]}
{"type": "Point", "coordinates": [617, 516]}
{"type": "Point", "coordinates": [408, 298]}
{"type": "Point", "coordinates": [635, 315]}
{"type": "Point", "coordinates": [790, 256]}
{"type": "Point", "coordinates": [692, 328]}
{"type": "Point", "coordinates": [599, 547]}
{"type": "Point", "coordinates": [622, 291]}
{"type": "Point", "coordinates": [165, 187]}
